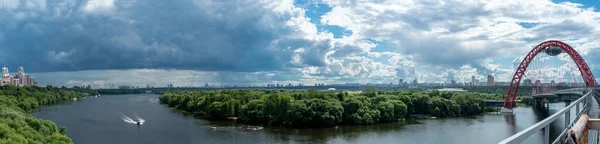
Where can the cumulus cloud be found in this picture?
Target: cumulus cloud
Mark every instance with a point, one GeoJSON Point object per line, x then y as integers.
{"type": "Point", "coordinates": [251, 41]}
{"type": "Point", "coordinates": [438, 34]}
{"type": "Point", "coordinates": [129, 34]}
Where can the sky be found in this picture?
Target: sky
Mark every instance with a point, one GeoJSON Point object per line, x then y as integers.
{"type": "Point", "coordinates": [241, 42]}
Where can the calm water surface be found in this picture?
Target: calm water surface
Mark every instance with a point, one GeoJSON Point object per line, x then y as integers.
{"type": "Point", "coordinates": [99, 121]}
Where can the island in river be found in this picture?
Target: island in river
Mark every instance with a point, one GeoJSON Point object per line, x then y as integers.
{"type": "Point", "coordinates": [313, 108]}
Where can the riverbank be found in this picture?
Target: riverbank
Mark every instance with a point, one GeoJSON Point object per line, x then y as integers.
{"type": "Point", "coordinates": [312, 108]}
{"type": "Point", "coordinates": [17, 125]}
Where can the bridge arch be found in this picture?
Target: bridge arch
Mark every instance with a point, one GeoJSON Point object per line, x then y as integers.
{"type": "Point", "coordinates": [586, 72]}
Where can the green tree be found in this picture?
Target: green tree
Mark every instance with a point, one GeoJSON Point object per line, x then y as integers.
{"type": "Point", "coordinates": [253, 111]}
{"type": "Point", "coordinates": [218, 110]}
{"type": "Point", "coordinates": [276, 106]}
{"type": "Point", "coordinates": [63, 131]}
{"type": "Point", "coordinates": [469, 104]}
{"type": "Point", "coordinates": [370, 92]}
{"type": "Point", "coordinates": [421, 103]}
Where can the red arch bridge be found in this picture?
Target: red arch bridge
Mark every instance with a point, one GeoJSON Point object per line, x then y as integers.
{"type": "Point", "coordinates": [584, 98]}
{"type": "Point", "coordinates": [548, 46]}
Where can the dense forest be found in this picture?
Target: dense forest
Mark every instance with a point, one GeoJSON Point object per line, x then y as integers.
{"type": "Point", "coordinates": [313, 108]}
{"type": "Point", "coordinates": [17, 126]}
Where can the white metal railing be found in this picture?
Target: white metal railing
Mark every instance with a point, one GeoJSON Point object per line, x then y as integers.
{"type": "Point", "coordinates": [545, 124]}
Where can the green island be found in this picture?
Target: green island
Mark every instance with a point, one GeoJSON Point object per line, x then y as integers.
{"type": "Point", "coordinates": [313, 108]}
{"type": "Point", "coordinates": [18, 126]}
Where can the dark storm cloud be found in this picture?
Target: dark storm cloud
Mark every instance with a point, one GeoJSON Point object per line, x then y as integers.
{"type": "Point", "coordinates": [184, 34]}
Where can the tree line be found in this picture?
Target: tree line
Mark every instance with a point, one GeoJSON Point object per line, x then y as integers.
{"type": "Point", "coordinates": [313, 108]}
{"type": "Point", "coordinates": [18, 126]}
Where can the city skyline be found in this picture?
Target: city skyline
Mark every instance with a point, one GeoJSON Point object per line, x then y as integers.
{"type": "Point", "coordinates": [489, 81]}
{"type": "Point", "coordinates": [284, 41]}
{"type": "Point", "coordinates": [19, 79]}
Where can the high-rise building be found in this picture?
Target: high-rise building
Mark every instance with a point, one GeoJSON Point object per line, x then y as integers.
{"type": "Point", "coordinates": [5, 73]}
{"type": "Point", "coordinates": [400, 81]}
{"type": "Point", "coordinates": [26, 80]}
{"type": "Point", "coordinates": [490, 80]}
{"type": "Point", "coordinates": [21, 71]}
{"type": "Point", "coordinates": [5, 76]}
{"type": "Point", "coordinates": [453, 82]}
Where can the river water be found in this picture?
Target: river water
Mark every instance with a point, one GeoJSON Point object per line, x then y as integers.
{"type": "Point", "coordinates": [100, 121]}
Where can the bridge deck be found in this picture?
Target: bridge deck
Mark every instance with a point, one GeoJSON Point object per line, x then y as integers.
{"type": "Point", "coordinates": [567, 94]}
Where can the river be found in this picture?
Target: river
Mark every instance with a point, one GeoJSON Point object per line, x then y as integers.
{"type": "Point", "coordinates": [99, 121]}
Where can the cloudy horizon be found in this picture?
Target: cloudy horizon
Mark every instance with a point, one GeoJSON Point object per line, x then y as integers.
{"type": "Point", "coordinates": [193, 42]}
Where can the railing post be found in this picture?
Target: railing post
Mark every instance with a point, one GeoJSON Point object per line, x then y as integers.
{"type": "Point", "coordinates": [577, 109]}
{"type": "Point", "coordinates": [547, 134]}
{"type": "Point", "coordinates": [567, 114]}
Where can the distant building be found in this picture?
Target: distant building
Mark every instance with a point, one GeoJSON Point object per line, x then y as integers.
{"type": "Point", "coordinates": [400, 82]}
{"type": "Point", "coordinates": [20, 79]}
{"type": "Point", "coordinates": [490, 80]}
{"type": "Point", "coordinates": [501, 83]}
{"type": "Point", "coordinates": [124, 87]}
{"type": "Point", "coordinates": [473, 82]}
{"type": "Point", "coordinates": [452, 90]}
{"type": "Point", "coordinates": [527, 82]}
{"type": "Point", "coordinates": [352, 84]}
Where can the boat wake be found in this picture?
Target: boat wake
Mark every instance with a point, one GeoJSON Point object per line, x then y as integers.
{"type": "Point", "coordinates": [132, 120]}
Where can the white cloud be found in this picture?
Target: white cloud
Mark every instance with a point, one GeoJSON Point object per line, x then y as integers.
{"type": "Point", "coordinates": [274, 42]}
{"type": "Point", "coordinates": [99, 6]}
{"type": "Point", "coordinates": [9, 4]}
{"type": "Point", "coordinates": [452, 34]}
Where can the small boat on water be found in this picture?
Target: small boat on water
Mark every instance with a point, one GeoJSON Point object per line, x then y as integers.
{"type": "Point", "coordinates": [253, 128]}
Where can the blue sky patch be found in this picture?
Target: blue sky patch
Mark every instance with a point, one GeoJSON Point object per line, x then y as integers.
{"type": "Point", "coordinates": [527, 25]}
